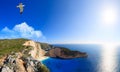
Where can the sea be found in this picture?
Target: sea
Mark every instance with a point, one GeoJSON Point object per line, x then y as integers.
{"type": "Point", "coordinates": [101, 58]}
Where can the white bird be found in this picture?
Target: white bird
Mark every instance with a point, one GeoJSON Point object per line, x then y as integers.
{"type": "Point", "coordinates": [21, 6]}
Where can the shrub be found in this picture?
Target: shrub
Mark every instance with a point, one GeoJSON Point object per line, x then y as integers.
{"type": "Point", "coordinates": [43, 68]}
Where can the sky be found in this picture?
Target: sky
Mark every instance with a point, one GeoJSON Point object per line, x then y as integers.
{"type": "Point", "coordinates": [61, 21]}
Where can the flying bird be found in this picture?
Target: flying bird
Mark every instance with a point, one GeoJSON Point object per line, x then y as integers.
{"type": "Point", "coordinates": [21, 7]}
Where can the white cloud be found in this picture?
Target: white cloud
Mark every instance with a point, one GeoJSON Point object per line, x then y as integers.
{"type": "Point", "coordinates": [22, 30]}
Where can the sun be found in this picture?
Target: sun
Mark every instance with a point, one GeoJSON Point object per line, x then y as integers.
{"type": "Point", "coordinates": [109, 15]}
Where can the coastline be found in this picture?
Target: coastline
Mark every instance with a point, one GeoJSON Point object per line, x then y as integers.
{"type": "Point", "coordinates": [43, 58]}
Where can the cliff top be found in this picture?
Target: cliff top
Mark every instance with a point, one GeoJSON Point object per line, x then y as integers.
{"type": "Point", "coordinates": [8, 46]}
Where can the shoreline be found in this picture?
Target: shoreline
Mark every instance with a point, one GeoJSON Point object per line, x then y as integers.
{"type": "Point", "coordinates": [43, 58]}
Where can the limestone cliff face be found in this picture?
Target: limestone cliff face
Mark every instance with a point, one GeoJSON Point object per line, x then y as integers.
{"type": "Point", "coordinates": [64, 53]}
{"type": "Point", "coordinates": [25, 61]}
{"type": "Point", "coordinates": [37, 52]}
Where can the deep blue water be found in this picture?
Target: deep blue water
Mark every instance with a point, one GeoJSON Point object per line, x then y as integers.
{"type": "Point", "coordinates": [100, 59]}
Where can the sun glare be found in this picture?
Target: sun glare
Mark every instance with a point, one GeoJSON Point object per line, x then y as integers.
{"type": "Point", "coordinates": [109, 15]}
{"type": "Point", "coordinates": [108, 62]}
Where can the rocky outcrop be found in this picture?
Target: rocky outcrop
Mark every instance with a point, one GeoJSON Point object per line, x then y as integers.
{"type": "Point", "coordinates": [15, 63]}
{"type": "Point", "coordinates": [60, 52]}
{"type": "Point", "coordinates": [64, 53]}
{"type": "Point", "coordinates": [37, 52]}
{"type": "Point", "coordinates": [26, 61]}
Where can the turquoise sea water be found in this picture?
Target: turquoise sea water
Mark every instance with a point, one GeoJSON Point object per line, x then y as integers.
{"type": "Point", "coordinates": [101, 58]}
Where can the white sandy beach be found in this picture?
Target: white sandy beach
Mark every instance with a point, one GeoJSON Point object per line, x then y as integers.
{"type": "Point", "coordinates": [43, 58]}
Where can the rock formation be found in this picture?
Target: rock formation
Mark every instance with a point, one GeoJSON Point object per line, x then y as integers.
{"type": "Point", "coordinates": [26, 61]}
{"type": "Point", "coordinates": [64, 53]}
{"type": "Point", "coordinates": [37, 52]}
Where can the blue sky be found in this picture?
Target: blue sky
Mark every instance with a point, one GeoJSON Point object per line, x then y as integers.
{"type": "Point", "coordinates": [61, 21]}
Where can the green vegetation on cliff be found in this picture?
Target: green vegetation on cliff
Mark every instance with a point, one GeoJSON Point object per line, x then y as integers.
{"type": "Point", "coordinates": [45, 46]}
{"type": "Point", "coordinates": [43, 68]}
{"type": "Point", "coordinates": [11, 45]}
{"type": "Point", "coordinates": [69, 52]}
{"type": "Point", "coordinates": [14, 61]}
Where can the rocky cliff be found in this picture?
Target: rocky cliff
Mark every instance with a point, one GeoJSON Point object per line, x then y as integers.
{"type": "Point", "coordinates": [25, 60]}
{"type": "Point", "coordinates": [61, 52]}
{"type": "Point", "coordinates": [64, 53]}
{"type": "Point", "coordinates": [23, 55]}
